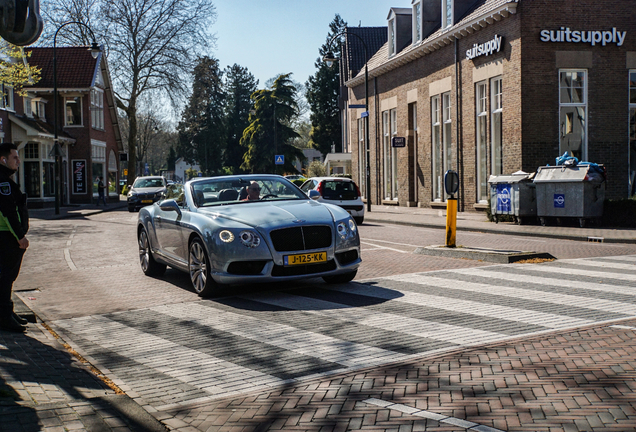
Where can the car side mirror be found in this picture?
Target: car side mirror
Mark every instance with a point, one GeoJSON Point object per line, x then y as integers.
{"type": "Point", "coordinates": [314, 194]}
{"type": "Point", "coordinates": [170, 205]}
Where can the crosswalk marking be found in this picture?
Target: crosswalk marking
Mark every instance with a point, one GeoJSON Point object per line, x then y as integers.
{"type": "Point", "coordinates": [476, 308]}
{"type": "Point", "coordinates": [527, 294]}
{"type": "Point", "coordinates": [210, 349]}
{"type": "Point", "coordinates": [403, 324]}
{"type": "Point", "coordinates": [487, 272]}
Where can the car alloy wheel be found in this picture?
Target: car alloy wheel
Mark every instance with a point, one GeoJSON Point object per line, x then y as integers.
{"type": "Point", "coordinates": [199, 266]}
{"type": "Point", "coordinates": [149, 266]}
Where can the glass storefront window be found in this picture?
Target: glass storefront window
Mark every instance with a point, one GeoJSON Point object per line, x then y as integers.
{"type": "Point", "coordinates": [573, 110]}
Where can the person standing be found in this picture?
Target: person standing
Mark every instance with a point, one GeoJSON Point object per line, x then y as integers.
{"type": "Point", "coordinates": [101, 191]}
{"type": "Point", "coordinates": [14, 224]}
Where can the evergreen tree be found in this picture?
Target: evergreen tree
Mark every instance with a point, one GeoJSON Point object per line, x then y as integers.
{"type": "Point", "coordinates": [269, 133]}
{"type": "Point", "coordinates": [239, 85]}
{"type": "Point", "coordinates": [322, 94]}
{"type": "Point", "coordinates": [172, 159]}
{"type": "Point", "coordinates": [202, 127]}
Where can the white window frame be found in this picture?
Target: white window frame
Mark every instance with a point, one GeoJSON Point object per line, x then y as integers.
{"type": "Point", "coordinates": [496, 124]}
{"type": "Point", "coordinates": [481, 140]}
{"type": "Point", "coordinates": [417, 21]}
{"type": "Point", "coordinates": [97, 109]}
{"type": "Point", "coordinates": [566, 106]}
{"type": "Point", "coordinates": [394, 161]}
{"type": "Point", "coordinates": [392, 37]}
{"type": "Point", "coordinates": [441, 139]}
{"type": "Point", "coordinates": [28, 107]}
{"type": "Point", "coordinates": [631, 124]}
{"type": "Point", "coordinates": [362, 160]}
{"type": "Point", "coordinates": [66, 102]}
{"type": "Point", "coordinates": [448, 13]}
{"type": "Point", "coordinates": [8, 101]}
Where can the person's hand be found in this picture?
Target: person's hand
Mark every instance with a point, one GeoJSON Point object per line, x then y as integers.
{"type": "Point", "coordinates": [23, 243]}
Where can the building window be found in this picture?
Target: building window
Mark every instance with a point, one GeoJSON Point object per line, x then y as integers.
{"type": "Point", "coordinates": [7, 97]}
{"type": "Point", "coordinates": [496, 108]}
{"type": "Point", "coordinates": [632, 132]}
{"type": "Point", "coordinates": [417, 21]}
{"type": "Point", "coordinates": [447, 13]}
{"type": "Point", "coordinates": [442, 125]}
{"type": "Point", "coordinates": [32, 178]}
{"type": "Point", "coordinates": [392, 41]}
{"type": "Point", "coordinates": [97, 109]}
{"type": "Point", "coordinates": [31, 151]}
{"type": "Point", "coordinates": [572, 112]}
{"type": "Point", "coordinates": [389, 130]}
{"type": "Point", "coordinates": [39, 109]}
{"type": "Point", "coordinates": [28, 111]}
{"type": "Point", "coordinates": [481, 133]}
{"type": "Point", "coordinates": [73, 111]}
{"type": "Point", "coordinates": [362, 160]}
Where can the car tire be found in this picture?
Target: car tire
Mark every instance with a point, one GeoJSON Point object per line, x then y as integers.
{"type": "Point", "coordinates": [358, 219]}
{"type": "Point", "coordinates": [199, 269]}
{"type": "Point", "coordinates": [149, 266]}
{"type": "Point", "coordinates": [341, 278]}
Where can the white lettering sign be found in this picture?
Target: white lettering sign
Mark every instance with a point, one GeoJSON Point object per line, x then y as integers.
{"type": "Point", "coordinates": [486, 48]}
{"type": "Point", "coordinates": [584, 36]}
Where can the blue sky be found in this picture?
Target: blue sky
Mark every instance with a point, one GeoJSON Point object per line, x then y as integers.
{"type": "Point", "coordinates": [270, 37]}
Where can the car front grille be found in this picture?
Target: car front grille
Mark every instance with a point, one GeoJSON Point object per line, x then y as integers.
{"type": "Point", "coordinates": [301, 238]}
{"type": "Point", "coordinates": [299, 270]}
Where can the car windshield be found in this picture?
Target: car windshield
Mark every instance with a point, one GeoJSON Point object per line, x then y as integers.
{"type": "Point", "coordinates": [148, 182]}
{"type": "Point", "coordinates": [241, 190]}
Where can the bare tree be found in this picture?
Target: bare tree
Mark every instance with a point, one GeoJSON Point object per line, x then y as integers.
{"type": "Point", "coordinates": [151, 46]}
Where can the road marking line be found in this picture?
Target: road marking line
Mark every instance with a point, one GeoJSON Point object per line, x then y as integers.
{"type": "Point", "coordinates": [384, 247]}
{"type": "Point", "coordinates": [471, 426]}
{"type": "Point", "coordinates": [395, 243]}
{"type": "Point", "coordinates": [69, 261]}
{"type": "Point", "coordinates": [618, 326]}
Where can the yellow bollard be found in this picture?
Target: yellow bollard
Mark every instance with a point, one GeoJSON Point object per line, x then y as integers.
{"type": "Point", "coordinates": [451, 221]}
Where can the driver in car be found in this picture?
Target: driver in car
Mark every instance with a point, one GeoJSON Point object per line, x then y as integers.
{"type": "Point", "coordinates": [253, 192]}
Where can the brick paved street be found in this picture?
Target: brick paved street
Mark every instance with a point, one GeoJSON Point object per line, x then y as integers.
{"type": "Point", "coordinates": [417, 343]}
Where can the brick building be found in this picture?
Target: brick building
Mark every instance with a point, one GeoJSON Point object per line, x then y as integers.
{"type": "Point", "coordinates": [88, 129]}
{"type": "Point", "coordinates": [492, 87]}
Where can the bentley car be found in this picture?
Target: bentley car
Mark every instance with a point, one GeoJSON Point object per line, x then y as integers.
{"type": "Point", "coordinates": [246, 228]}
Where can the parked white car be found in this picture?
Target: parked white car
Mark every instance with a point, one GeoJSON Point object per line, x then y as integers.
{"type": "Point", "coordinates": [340, 191]}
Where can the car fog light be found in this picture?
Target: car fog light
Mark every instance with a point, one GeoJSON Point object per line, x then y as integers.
{"type": "Point", "coordinates": [226, 236]}
{"type": "Point", "coordinates": [250, 239]}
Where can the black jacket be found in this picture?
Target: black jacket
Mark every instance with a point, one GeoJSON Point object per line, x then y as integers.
{"type": "Point", "coordinates": [13, 204]}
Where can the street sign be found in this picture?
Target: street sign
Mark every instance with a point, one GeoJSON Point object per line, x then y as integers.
{"type": "Point", "coordinates": [125, 172]}
{"type": "Point", "coordinates": [364, 114]}
{"type": "Point", "coordinates": [398, 142]}
{"type": "Point", "coordinates": [279, 159]}
{"type": "Point", "coordinates": [357, 106]}
{"type": "Point", "coordinates": [79, 176]}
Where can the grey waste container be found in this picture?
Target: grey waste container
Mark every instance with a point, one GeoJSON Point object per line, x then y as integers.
{"type": "Point", "coordinates": [569, 192]}
{"type": "Point", "coordinates": [514, 195]}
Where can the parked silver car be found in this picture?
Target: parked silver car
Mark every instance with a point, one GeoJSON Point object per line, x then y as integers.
{"type": "Point", "coordinates": [245, 229]}
{"type": "Point", "coordinates": [340, 191]}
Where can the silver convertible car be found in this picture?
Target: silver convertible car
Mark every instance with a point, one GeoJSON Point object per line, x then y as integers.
{"type": "Point", "coordinates": [244, 229]}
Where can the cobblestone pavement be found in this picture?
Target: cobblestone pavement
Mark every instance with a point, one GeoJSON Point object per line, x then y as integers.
{"type": "Point", "coordinates": [544, 347]}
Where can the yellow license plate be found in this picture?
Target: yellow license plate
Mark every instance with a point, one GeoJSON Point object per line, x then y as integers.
{"type": "Point", "coordinates": [309, 258]}
{"type": "Point", "coordinates": [146, 201]}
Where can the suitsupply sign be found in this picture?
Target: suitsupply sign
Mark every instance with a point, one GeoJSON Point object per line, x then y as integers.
{"type": "Point", "coordinates": [593, 37]}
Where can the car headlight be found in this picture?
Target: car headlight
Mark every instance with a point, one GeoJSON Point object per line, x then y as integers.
{"type": "Point", "coordinates": [250, 239]}
{"type": "Point", "coordinates": [226, 236]}
{"type": "Point", "coordinates": [346, 228]}
{"type": "Point", "coordinates": [130, 194]}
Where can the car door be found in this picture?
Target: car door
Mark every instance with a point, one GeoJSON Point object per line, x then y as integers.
{"type": "Point", "coordinates": [168, 226]}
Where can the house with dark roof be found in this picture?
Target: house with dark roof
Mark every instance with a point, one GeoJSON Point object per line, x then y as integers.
{"type": "Point", "coordinates": [490, 87]}
{"type": "Point", "coordinates": [88, 128]}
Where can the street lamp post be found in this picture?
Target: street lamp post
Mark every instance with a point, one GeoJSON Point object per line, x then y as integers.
{"type": "Point", "coordinates": [329, 58]}
{"type": "Point", "coordinates": [95, 50]}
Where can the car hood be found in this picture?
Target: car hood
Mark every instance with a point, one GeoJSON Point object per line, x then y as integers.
{"type": "Point", "coordinates": [148, 190]}
{"type": "Point", "coordinates": [269, 215]}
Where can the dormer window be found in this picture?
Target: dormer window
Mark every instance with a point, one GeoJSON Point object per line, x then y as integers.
{"type": "Point", "coordinates": [7, 97]}
{"type": "Point", "coordinates": [38, 105]}
{"type": "Point", "coordinates": [28, 111]}
{"type": "Point", "coordinates": [417, 21]}
{"type": "Point", "coordinates": [447, 13]}
{"type": "Point", "coordinates": [392, 42]}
